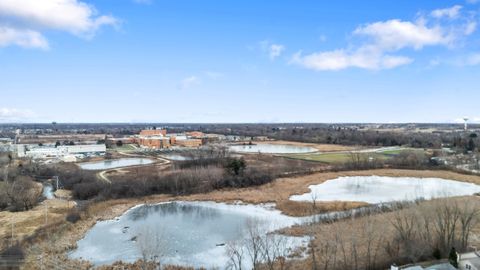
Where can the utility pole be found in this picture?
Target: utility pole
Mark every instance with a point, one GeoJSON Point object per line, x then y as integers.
{"type": "Point", "coordinates": [46, 213]}
{"type": "Point", "coordinates": [13, 229]}
{"type": "Point", "coordinates": [56, 179]}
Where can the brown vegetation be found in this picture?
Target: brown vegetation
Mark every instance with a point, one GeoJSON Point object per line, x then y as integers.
{"type": "Point", "coordinates": [280, 191]}
{"type": "Point", "coordinates": [423, 232]}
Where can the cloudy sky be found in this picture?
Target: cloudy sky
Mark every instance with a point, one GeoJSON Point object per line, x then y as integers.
{"type": "Point", "coordinates": [239, 61]}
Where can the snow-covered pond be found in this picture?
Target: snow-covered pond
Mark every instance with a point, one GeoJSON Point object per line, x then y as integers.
{"type": "Point", "coordinates": [272, 149]}
{"type": "Point", "coordinates": [378, 189]}
{"type": "Point", "coordinates": [114, 163]}
{"type": "Point", "coordinates": [47, 191]}
{"type": "Point", "coordinates": [187, 233]}
{"type": "Point", "coordinates": [177, 157]}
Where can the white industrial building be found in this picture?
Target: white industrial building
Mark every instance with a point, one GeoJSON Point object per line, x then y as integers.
{"type": "Point", "coordinates": [61, 151]}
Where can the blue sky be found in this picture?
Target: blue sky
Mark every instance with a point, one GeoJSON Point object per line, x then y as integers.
{"type": "Point", "coordinates": [239, 61]}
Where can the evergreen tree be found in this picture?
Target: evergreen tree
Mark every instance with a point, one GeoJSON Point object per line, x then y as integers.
{"type": "Point", "coordinates": [453, 258]}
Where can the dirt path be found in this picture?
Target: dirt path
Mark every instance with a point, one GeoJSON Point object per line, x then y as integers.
{"type": "Point", "coordinates": [103, 174]}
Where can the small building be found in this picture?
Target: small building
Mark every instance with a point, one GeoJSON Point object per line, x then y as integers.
{"type": "Point", "coordinates": [469, 261]}
{"type": "Point", "coordinates": [261, 138]}
{"type": "Point", "coordinates": [439, 266]}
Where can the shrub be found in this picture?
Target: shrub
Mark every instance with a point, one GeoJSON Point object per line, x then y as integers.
{"type": "Point", "coordinates": [73, 216]}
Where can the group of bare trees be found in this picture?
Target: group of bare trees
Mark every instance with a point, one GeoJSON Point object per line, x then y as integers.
{"type": "Point", "coordinates": [422, 232]}
{"type": "Point", "coordinates": [20, 194]}
{"type": "Point", "coordinates": [18, 191]}
{"type": "Point", "coordinates": [348, 245]}
{"type": "Point", "coordinates": [259, 249]}
{"type": "Point", "coordinates": [404, 160]}
{"type": "Point", "coordinates": [432, 229]}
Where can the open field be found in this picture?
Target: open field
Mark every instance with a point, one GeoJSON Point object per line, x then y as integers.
{"type": "Point", "coordinates": [27, 222]}
{"type": "Point", "coordinates": [123, 148]}
{"type": "Point", "coordinates": [343, 157]}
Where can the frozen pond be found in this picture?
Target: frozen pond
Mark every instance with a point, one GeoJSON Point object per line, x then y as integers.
{"type": "Point", "coordinates": [177, 157]}
{"type": "Point", "coordinates": [47, 191]}
{"type": "Point", "coordinates": [114, 163]}
{"type": "Point", "coordinates": [188, 233]}
{"type": "Point", "coordinates": [378, 189]}
{"type": "Point", "coordinates": [272, 149]}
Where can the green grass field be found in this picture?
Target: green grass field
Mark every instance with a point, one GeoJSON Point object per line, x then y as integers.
{"type": "Point", "coordinates": [123, 148]}
{"type": "Point", "coordinates": [337, 158]}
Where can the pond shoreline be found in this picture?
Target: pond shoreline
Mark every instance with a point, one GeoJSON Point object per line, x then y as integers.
{"type": "Point", "coordinates": [277, 192]}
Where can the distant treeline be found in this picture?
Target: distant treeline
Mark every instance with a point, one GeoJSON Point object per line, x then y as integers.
{"type": "Point", "coordinates": [443, 135]}
{"type": "Point", "coordinates": [351, 134]}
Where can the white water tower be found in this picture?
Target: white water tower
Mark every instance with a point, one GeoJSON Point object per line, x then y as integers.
{"type": "Point", "coordinates": [465, 120]}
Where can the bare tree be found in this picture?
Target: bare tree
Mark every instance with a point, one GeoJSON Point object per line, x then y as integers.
{"type": "Point", "coordinates": [468, 220]}
{"type": "Point", "coordinates": [235, 253]}
{"type": "Point", "coordinates": [254, 242]}
{"type": "Point", "coordinates": [275, 250]}
{"type": "Point", "coordinates": [23, 193]}
{"type": "Point", "coordinates": [152, 245]}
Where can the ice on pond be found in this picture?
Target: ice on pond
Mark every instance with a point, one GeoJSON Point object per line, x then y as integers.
{"type": "Point", "coordinates": [188, 233]}
{"type": "Point", "coordinates": [114, 163]}
{"type": "Point", "coordinates": [378, 189]}
{"type": "Point", "coordinates": [177, 157]}
{"type": "Point", "coordinates": [47, 191]}
{"type": "Point", "coordinates": [272, 149]}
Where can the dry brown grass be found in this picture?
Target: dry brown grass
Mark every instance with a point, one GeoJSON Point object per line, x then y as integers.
{"type": "Point", "coordinates": [280, 191]}
{"type": "Point", "coordinates": [357, 230]}
{"type": "Point", "coordinates": [27, 222]}
{"type": "Point", "coordinates": [294, 208]}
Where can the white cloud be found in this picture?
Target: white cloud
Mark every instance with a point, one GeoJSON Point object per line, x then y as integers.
{"type": "Point", "coordinates": [9, 114]}
{"type": "Point", "coordinates": [451, 13]}
{"type": "Point", "coordinates": [383, 40]}
{"type": "Point", "coordinates": [396, 34]}
{"type": "Point", "coordinates": [273, 50]}
{"type": "Point", "coordinates": [35, 16]}
{"type": "Point", "coordinates": [341, 59]}
{"type": "Point", "coordinates": [189, 82]}
{"type": "Point", "coordinates": [22, 38]}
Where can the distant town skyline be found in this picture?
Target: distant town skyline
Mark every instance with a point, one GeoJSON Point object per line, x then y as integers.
{"type": "Point", "coordinates": [189, 61]}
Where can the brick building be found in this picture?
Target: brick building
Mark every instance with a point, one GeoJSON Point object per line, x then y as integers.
{"type": "Point", "coordinates": [153, 132]}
